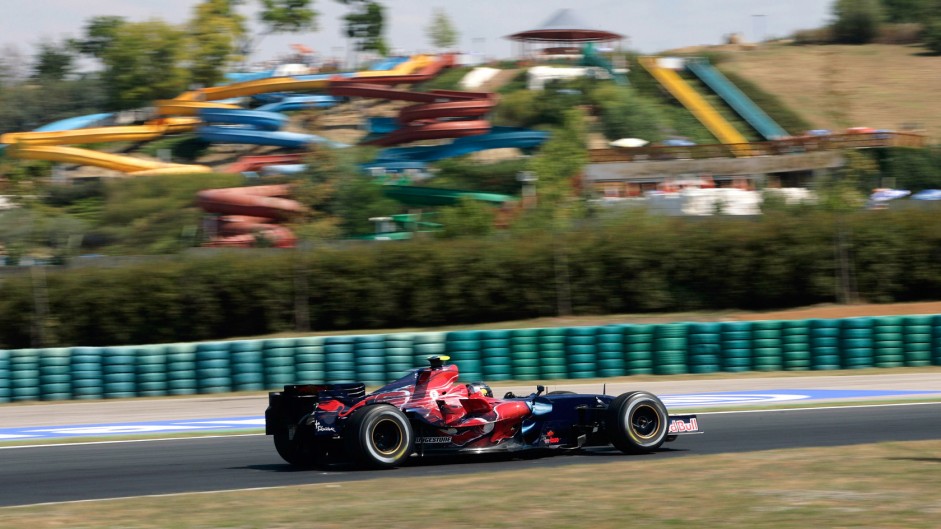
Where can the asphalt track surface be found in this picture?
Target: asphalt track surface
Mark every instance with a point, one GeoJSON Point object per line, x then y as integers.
{"type": "Point", "coordinates": [41, 474]}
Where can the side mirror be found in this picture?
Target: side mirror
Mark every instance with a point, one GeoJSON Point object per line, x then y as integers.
{"type": "Point", "coordinates": [540, 389]}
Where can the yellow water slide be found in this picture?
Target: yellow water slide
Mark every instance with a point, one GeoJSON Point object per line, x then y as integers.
{"type": "Point", "coordinates": [410, 66]}
{"type": "Point", "coordinates": [49, 146]}
{"type": "Point", "coordinates": [695, 103]}
{"type": "Point", "coordinates": [116, 162]}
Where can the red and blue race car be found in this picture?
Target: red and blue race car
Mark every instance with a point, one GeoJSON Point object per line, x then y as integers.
{"type": "Point", "coordinates": [429, 412]}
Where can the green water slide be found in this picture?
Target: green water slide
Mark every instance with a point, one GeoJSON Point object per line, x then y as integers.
{"type": "Point", "coordinates": [736, 99]}
{"type": "Point", "coordinates": [430, 196]}
{"type": "Point", "coordinates": [591, 57]}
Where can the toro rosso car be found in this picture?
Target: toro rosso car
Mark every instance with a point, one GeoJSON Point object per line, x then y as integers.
{"type": "Point", "coordinates": [428, 412]}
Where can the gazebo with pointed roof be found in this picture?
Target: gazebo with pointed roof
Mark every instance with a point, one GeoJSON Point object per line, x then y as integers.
{"type": "Point", "coordinates": [562, 30]}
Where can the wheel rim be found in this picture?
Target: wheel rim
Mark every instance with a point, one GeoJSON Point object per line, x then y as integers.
{"type": "Point", "coordinates": [387, 437]}
{"type": "Point", "coordinates": [645, 422]}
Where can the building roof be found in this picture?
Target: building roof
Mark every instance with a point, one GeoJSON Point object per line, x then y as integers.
{"type": "Point", "coordinates": [564, 26]}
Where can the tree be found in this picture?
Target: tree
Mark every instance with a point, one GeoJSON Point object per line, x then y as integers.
{"type": "Point", "coordinates": [468, 218]}
{"type": "Point", "coordinates": [144, 62]}
{"type": "Point", "coordinates": [281, 16]}
{"type": "Point", "coordinates": [365, 25]}
{"type": "Point", "coordinates": [214, 36]}
{"type": "Point", "coordinates": [842, 191]}
{"type": "Point", "coordinates": [441, 31]}
{"type": "Point", "coordinates": [898, 11]}
{"type": "Point", "coordinates": [933, 35]}
{"type": "Point", "coordinates": [99, 35]}
{"type": "Point", "coordinates": [53, 61]}
{"type": "Point", "coordinates": [857, 21]}
{"type": "Point", "coordinates": [560, 160]}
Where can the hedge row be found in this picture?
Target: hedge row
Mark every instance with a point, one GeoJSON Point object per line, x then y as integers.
{"type": "Point", "coordinates": [632, 264]}
{"type": "Point", "coordinates": [491, 355]}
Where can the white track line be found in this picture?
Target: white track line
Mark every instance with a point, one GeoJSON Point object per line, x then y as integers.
{"type": "Point", "coordinates": [122, 441]}
{"type": "Point", "coordinates": [813, 408]}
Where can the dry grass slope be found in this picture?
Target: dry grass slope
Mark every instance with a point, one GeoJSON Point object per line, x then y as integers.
{"type": "Point", "coordinates": [839, 86]}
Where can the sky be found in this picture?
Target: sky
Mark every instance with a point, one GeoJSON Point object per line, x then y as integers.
{"type": "Point", "coordinates": [650, 26]}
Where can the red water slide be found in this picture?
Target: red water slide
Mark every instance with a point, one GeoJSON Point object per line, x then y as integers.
{"type": "Point", "coordinates": [249, 212]}
{"type": "Point", "coordinates": [254, 163]}
{"type": "Point", "coordinates": [438, 114]}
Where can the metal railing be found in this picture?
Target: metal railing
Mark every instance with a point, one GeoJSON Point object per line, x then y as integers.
{"type": "Point", "coordinates": [802, 144]}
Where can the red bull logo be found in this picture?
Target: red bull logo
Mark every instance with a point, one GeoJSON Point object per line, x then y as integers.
{"type": "Point", "coordinates": [683, 425]}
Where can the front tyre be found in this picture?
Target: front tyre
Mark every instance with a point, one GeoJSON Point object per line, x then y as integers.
{"type": "Point", "coordinates": [380, 436]}
{"type": "Point", "coordinates": [637, 422]}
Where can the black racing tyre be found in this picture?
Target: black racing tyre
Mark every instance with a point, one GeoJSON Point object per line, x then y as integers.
{"type": "Point", "coordinates": [637, 422]}
{"type": "Point", "coordinates": [300, 451]}
{"type": "Point", "coordinates": [380, 436]}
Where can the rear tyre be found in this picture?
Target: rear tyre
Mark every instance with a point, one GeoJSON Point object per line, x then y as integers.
{"type": "Point", "coordinates": [637, 422]}
{"type": "Point", "coordinates": [381, 436]}
{"type": "Point", "coordinates": [301, 451]}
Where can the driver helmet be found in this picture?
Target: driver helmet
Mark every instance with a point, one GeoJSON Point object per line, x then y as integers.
{"type": "Point", "coordinates": [479, 388]}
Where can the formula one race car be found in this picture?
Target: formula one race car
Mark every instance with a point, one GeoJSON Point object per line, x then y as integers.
{"type": "Point", "coordinates": [428, 412]}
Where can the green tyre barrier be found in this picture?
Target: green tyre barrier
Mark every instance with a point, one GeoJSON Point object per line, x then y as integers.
{"type": "Point", "coordinates": [24, 374]}
{"type": "Point", "coordinates": [5, 384]}
{"type": "Point", "coordinates": [311, 376]}
{"type": "Point", "coordinates": [336, 376]}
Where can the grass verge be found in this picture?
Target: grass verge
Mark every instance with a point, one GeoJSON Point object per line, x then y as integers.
{"type": "Point", "coordinates": [865, 486]}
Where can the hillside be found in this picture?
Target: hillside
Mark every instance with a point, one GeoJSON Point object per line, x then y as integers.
{"type": "Point", "coordinates": [839, 86]}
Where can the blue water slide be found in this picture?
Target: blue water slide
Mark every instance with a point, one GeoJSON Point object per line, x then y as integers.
{"type": "Point", "coordinates": [241, 77]}
{"type": "Point", "coordinates": [253, 127]}
{"type": "Point", "coordinates": [295, 102]}
{"type": "Point", "coordinates": [498, 138]}
{"type": "Point", "coordinates": [736, 99]}
{"type": "Point", "coordinates": [74, 123]}
{"type": "Point", "coordinates": [249, 136]}
{"type": "Point", "coordinates": [386, 64]}
{"type": "Point", "coordinates": [79, 122]}
{"type": "Point", "coordinates": [258, 119]}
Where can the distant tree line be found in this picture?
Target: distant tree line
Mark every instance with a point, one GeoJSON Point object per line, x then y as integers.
{"type": "Point", "coordinates": [889, 21]}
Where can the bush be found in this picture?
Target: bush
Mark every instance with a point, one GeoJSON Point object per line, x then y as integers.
{"type": "Point", "coordinates": [909, 33]}
{"type": "Point", "coordinates": [626, 264]}
{"type": "Point", "coordinates": [933, 36]}
{"type": "Point", "coordinates": [857, 21]}
{"type": "Point", "coordinates": [814, 36]}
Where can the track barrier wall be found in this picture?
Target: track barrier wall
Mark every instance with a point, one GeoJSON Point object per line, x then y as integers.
{"type": "Point", "coordinates": [491, 355]}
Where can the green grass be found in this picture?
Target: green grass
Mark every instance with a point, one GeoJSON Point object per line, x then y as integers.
{"type": "Point", "coordinates": [867, 486]}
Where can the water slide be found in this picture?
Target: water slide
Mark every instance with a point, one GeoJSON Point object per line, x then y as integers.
{"type": "Point", "coordinates": [439, 113]}
{"type": "Point", "coordinates": [499, 138]}
{"type": "Point", "coordinates": [430, 196]}
{"type": "Point", "coordinates": [52, 147]}
{"type": "Point", "coordinates": [734, 97]}
{"type": "Point", "coordinates": [245, 213]}
{"type": "Point", "coordinates": [252, 127]}
{"type": "Point", "coordinates": [591, 57]}
{"type": "Point", "coordinates": [694, 102]}
{"type": "Point", "coordinates": [116, 162]}
{"type": "Point", "coordinates": [255, 163]}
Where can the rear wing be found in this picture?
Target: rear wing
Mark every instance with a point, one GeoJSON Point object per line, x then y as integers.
{"type": "Point", "coordinates": [287, 408]}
